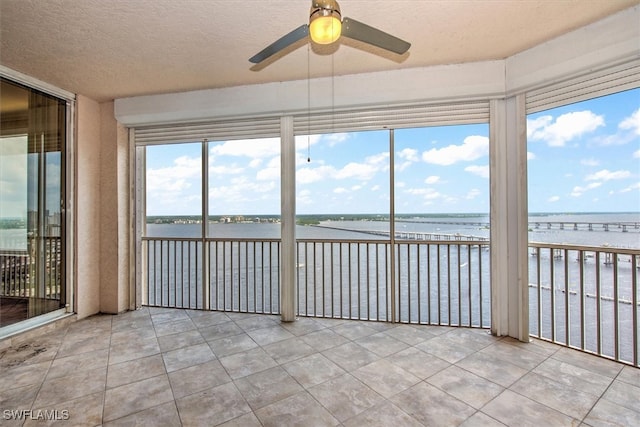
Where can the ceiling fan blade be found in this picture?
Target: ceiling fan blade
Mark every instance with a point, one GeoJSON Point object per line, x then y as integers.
{"type": "Point", "coordinates": [284, 41]}
{"type": "Point", "coordinates": [365, 33]}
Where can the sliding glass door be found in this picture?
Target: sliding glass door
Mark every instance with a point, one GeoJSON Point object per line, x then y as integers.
{"type": "Point", "coordinates": [32, 192]}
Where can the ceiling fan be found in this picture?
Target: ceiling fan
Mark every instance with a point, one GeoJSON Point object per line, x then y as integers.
{"type": "Point", "coordinates": [326, 26]}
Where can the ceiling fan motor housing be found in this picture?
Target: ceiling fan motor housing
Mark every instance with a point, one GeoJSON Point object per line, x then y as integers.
{"type": "Point", "coordinates": [325, 21]}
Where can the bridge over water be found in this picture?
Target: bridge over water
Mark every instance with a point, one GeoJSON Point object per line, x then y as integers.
{"type": "Point", "coordinates": [413, 235]}
{"type": "Point", "coordinates": [622, 226]}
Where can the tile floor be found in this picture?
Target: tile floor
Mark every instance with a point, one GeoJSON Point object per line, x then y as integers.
{"type": "Point", "coordinates": [166, 367]}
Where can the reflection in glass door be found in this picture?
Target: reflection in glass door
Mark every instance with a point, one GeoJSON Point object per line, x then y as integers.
{"type": "Point", "coordinates": [32, 170]}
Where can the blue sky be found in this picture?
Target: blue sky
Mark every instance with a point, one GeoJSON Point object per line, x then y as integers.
{"type": "Point", "coordinates": [584, 157]}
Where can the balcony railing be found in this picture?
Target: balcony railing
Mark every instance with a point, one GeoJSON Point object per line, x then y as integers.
{"type": "Point", "coordinates": [19, 268]}
{"type": "Point", "coordinates": [586, 297]}
{"type": "Point", "coordinates": [435, 283]}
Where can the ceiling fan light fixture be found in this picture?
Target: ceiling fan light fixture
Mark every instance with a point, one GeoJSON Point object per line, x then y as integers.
{"type": "Point", "coordinates": [325, 24]}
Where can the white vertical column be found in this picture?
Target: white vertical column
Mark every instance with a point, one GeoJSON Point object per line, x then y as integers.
{"type": "Point", "coordinates": [205, 225]}
{"type": "Point", "coordinates": [288, 290]}
{"type": "Point", "coordinates": [509, 219]}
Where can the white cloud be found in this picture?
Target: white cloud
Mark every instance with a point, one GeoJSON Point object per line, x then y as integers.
{"type": "Point", "coordinates": [481, 171]}
{"type": "Point", "coordinates": [632, 187]}
{"type": "Point", "coordinates": [636, 154]}
{"type": "Point", "coordinates": [356, 187]}
{"type": "Point", "coordinates": [408, 154]}
{"type": "Point", "coordinates": [334, 138]}
{"type": "Point", "coordinates": [253, 148]}
{"type": "Point", "coordinates": [535, 125]}
{"type": "Point", "coordinates": [426, 193]}
{"type": "Point", "coordinates": [473, 193]}
{"type": "Point", "coordinates": [375, 188]}
{"type": "Point", "coordinates": [303, 142]}
{"type": "Point", "coordinates": [589, 162]}
{"type": "Point", "coordinates": [553, 199]}
{"type": "Point", "coordinates": [232, 169]}
{"type": "Point", "coordinates": [255, 163]}
{"type": "Point", "coordinates": [174, 178]}
{"type": "Point", "coordinates": [605, 175]}
{"type": "Point", "coordinates": [308, 175]}
{"type": "Point", "coordinates": [271, 171]}
{"type": "Point", "coordinates": [433, 179]}
{"type": "Point", "coordinates": [579, 191]}
{"type": "Point", "coordinates": [530, 155]}
{"type": "Point", "coordinates": [365, 171]}
{"type": "Point", "coordinates": [340, 190]}
{"type": "Point", "coordinates": [472, 148]}
{"type": "Point", "coordinates": [632, 122]}
{"type": "Point", "coordinates": [565, 128]}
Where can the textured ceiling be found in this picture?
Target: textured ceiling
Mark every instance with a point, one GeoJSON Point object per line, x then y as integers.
{"type": "Point", "coordinates": [120, 48]}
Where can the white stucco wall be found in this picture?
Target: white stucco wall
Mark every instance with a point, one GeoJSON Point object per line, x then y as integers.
{"type": "Point", "coordinates": [87, 202]}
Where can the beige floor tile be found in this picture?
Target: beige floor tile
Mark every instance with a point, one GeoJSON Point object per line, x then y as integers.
{"type": "Point", "coordinates": [515, 410]}
{"type": "Point", "coordinates": [220, 330]}
{"type": "Point", "coordinates": [515, 354]}
{"type": "Point", "coordinates": [84, 361]}
{"type": "Point", "coordinates": [495, 370]}
{"type": "Point", "coordinates": [296, 372]}
{"type": "Point", "coordinates": [350, 356]}
{"type": "Point", "coordinates": [313, 370]}
{"type": "Point", "coordinates": [432, 406]}
{"type": "Point", "coordinates": [381, 344]}
{"type": "Point", "coordinates": [133, 350]}
{"type": "Point", "coordinates": [465, 386]}
{"type": "Point", "coordinates": [247, 362]}
{"type": "Point", "coordinates": [267, 387]}
{"type": "Point", "coordinates": [302, 326]}
{"type": "Point", "coordinates": [445, 348]}
{"type": "Point", "coordinates": [608, 414]}
{"type": "Point", "coordinates": [134, 370]}
{"type": "Point", "coordinates": [24, 375]}
{"type": "Point", "coordinates": [324, 339]}
{"type": "Point", "coordinates": [187, 356]}
{"type": "Point", "coordinates": [246, 420]}
{"type": "Point", "coordinates": [573, 376]}
{"type": "Point", "coordinates": [624, 394]}
{"type": "Point", "coordinates": [408, 334]}
{"type": "Point", "coordinates": [174, 327]}
{"type": "Point", "coordinates": [630, 375]}
{"type": "Point", "coordinates": [32, 352]}
{"type": "Point", "coordinates": [298, 410]}
{"type": "Point", "coordinates": [197, 378]}
{"type": "Point", "coordinates": [76, 345]}
{"type": "Point", "coordinates": [84, 411]}
{"type": "Point", "coordinates": [231, 345]}
{"type": "Point", "coordinates": [269, 335]}
{"type": "Point", "coordinates": [71, 387]}
{"type": "Point", "coordinates": [586, 361]}
{"type": "Point", "coordinates": [288, 350]}
{"type": "Point", "coordinates": [385, 378]}
{"type": "Point", "coordinates": [165, 415]}
{"type": "Point", "coordinates": [254, 322]}
{"type": "Point", "coordinates": [556, 395]}
{"type": "Point", "coordinates": [203, 319]}
{"type": "Point", "coordinates": [169, 315]}
{"type": "Point", "coordinates": [384, 415]}
{"type": "Point", "coordinates": [180, 340]}
{"type": "Point", "coordinates": [221, 403]}
{"type": "Point", "coordinates": [354, 330]}
{"type": "Point", "coordinates": [345, 396]}
{"type": "Point", "coordinates": [417, 362]}
{"type": "Point", "coordinates": [18, 398]}
{"type": "Point", "coordinates": [481, 420]}
{"type": "Point", "coordinates": [134, 397]}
